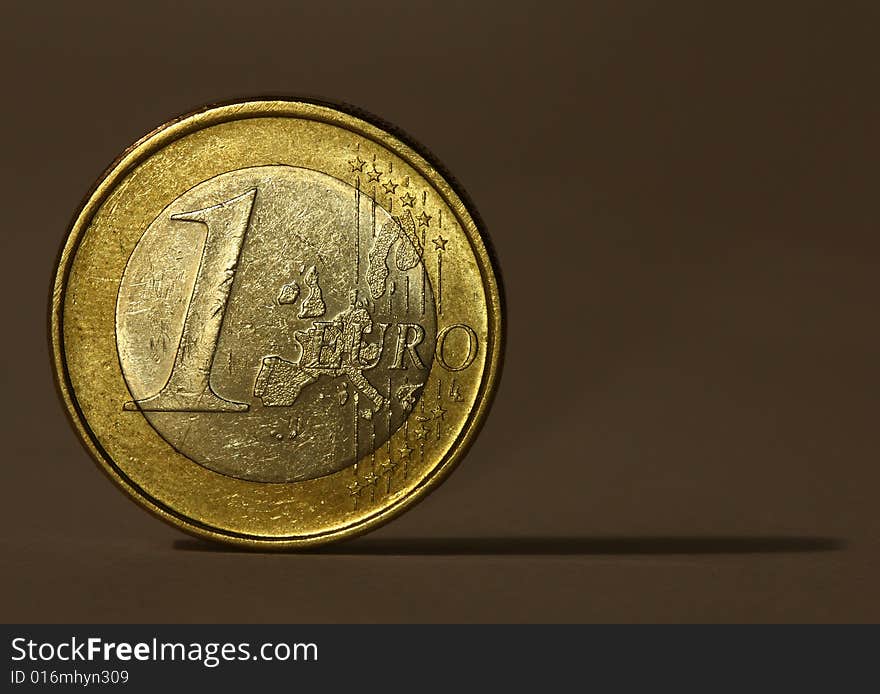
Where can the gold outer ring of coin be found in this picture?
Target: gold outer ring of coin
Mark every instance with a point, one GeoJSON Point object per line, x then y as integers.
{"type": "Point", "coordinates": [332, 445]}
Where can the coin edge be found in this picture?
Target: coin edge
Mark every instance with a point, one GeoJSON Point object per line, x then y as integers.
{"type": "Point", "coordinates": [392, 137]}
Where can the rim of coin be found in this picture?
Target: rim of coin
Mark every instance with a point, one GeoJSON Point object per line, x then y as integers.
{"type": "Point", "coordinates": [254, 513]}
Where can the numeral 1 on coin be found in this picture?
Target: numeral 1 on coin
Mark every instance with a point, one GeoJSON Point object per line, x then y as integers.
{"type": "Point", "coordinates": [188, 388]}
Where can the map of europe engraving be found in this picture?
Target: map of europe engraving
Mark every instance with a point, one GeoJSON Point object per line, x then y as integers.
{"type": "Point", "coordinates": [334, 348]}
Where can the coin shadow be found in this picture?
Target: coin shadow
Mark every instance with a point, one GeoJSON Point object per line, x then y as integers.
{"type": "Point", "coordinates": [556, 546]}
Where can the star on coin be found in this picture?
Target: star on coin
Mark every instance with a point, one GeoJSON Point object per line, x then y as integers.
{"type": "Point", "coordinates": [440, 243]}
{"type": "Point", "coordinates": [422, 434]}
{"type": "Point", "coordinates": [424, 219]}
{"type": "Point", "coordinates": [354, 488]}
{"type": "Point", "coordinates": [390, 187]}
{"type": "Point", "coordinates": [388, 467]}
{"type": "Point", "coordinates": [374, 175]}
{"type": "Point", "coordinates": [370, 479]}
{"type": "Point", "coordinates": [357, 164]}
{"type": "Point", "coordinates": [408, 200]}
{"type": "Point", "coordinates": [405, 452]}
{"type": "Point", "coordinates": [438, 412]}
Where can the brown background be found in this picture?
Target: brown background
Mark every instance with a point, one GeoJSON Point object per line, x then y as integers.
{"type": "Point", "coordinates": [684, 201]}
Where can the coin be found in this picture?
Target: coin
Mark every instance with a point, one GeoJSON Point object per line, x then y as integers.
{"type": "Point", "coordinates": [276, 323]}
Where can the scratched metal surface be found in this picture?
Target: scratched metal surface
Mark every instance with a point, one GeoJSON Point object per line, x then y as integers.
{"type": "Point", "coordinates": [306, 416]}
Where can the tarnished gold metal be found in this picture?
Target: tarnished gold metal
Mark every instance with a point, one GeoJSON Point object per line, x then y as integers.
{"type": "Point", "coordinates": [276, 323]}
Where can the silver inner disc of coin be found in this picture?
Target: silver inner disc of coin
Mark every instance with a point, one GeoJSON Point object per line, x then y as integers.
{"type": "Point", "coordinates": [276, 324]}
